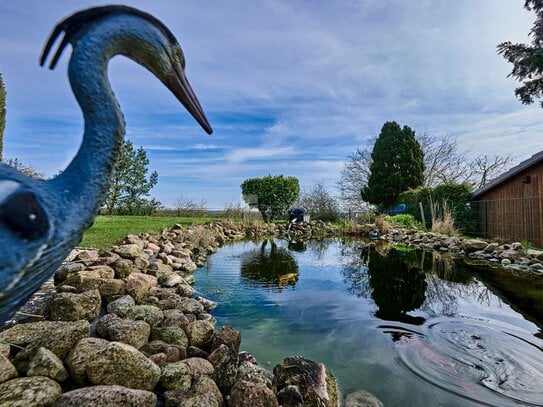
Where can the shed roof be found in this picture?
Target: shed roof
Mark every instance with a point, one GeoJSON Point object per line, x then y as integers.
{"type": "Point", "coordinates": [536, 158]}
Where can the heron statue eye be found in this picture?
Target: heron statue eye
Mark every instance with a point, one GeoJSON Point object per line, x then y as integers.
{"type": "Point", "coordinates": [179, 57]}
{"type": "Point", "coordinates": [23, 215]}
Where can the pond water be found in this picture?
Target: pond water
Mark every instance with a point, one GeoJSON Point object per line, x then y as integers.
{"type": "Point", "coordinates": [413, 328]}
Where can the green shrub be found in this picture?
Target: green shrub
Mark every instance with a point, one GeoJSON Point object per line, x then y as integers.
{"type": "Point", "coordinates": [456, 196]}
{"type": "Point", "coordinates": [404, 221]}
{"type": "Point", "coordinates": [271, 195]}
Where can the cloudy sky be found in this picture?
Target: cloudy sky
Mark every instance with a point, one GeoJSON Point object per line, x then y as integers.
{"type": "Point", "coordinates": [290, 87]}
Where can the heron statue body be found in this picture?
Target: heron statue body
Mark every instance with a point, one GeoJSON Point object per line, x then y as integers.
{"type": "Point", "coordinates": [41, 221]}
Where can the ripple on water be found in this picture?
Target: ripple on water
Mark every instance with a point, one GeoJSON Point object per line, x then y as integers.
{"type": "Point", "coordinates": [478, 361]}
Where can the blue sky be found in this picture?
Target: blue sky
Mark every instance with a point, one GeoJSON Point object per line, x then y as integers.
{"type": "Point", "coordinates": [290, 87]}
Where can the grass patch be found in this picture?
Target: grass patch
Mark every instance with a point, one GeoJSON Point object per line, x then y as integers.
{"type": "Point", "coordinates": [109, 230]}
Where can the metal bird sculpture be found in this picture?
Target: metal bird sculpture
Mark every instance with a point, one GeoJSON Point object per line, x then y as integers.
{"type": "Point", "coordinates": [41, 221]}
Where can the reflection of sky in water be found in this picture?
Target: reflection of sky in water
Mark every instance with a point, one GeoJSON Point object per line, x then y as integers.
{"type": "Point", "coordinates": [329, 315]}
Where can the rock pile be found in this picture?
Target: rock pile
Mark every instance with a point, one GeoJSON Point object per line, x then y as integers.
{"type": "Point", "coordinates": [511, 255]}
{"type": "Point", "coordinates": [124, 329]}
{"type": "Point", "coordinates": [315, 229]}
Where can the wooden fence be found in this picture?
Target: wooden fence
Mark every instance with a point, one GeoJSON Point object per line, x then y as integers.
{"type": "Point", "coordinates": [511, 219]}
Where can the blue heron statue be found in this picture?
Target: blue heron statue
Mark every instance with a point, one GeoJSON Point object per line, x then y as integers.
{"type": "Point", "coordinates": [41, 221]}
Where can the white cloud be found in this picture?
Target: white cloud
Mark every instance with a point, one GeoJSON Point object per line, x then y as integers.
{"type": "Point", "coordinates": [280, 79]}
{"type": "Point", "coordinates": [249, 154]}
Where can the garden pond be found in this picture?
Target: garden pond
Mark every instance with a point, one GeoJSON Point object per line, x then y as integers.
{"type": "Point", "coordinates": [414, 328]}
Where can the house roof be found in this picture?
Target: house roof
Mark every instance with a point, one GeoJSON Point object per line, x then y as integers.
{"type": "Point", "coordinates": [536, 158]}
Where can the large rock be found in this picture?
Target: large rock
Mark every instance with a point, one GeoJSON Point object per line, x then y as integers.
{"type": "Point", "coordinates": [175, 317]}
{"type": "Point", "coordinates": [170, 280]}
{"type": "Point", "coordinates": [362, 398]}
{"type": "Point", "coordinates": [199, 367]}
{"type": "Point", "coordinates": [248, 394]}
{"type": "Point", "coordinates": [82, 353]}
{"type": "Point", "coordinates": [174, 353]}
{"type": "Point", "coordinates": [159, 269]}
{"type": "Point", "coordinates": [111, 290]}
{"type": "Point", "coordinates": [46, 363]}
{"type": "Point", "coordinates": [122, 268]}
{"type": "Point", "coordinates": [538, 254]}
{"type": "Point", "coordinates": [73, 307]}
{"type": "Point", "coordinates": [121, 305]}
{"type": "Point", "coordinates": [107, 396]}
{"type": "Point", "coordinates": [113, 328]}
{"type": "Point", "coordinates": [228, 336]}
{"type": "Point", "coordinates": [122, 364]}
{"type": "Point", "coordinates": [164, 298]}
{"type": "Point", "coordinates": [129, 251]}
{"type": "Point", "coordinates": [176, 376]}
{"type": "Point", "coordinates": [58, 337]}
{"type": "Point", "coordinates": [138, 284]}
{"type": "Point", "coordinates": [99, 278]}
{"type": "Point", "coordinates": [208, 304]}
{"type": "Point", "coordinates": [317, 385]}
{"type": "Point", "coordinates": [203, 393]}
{"type": "Point", "coordinates": [225, 364]}
{"type": "Point", "coordinates": [185, 290]}
{"type": "Point", "coordinates": [101, 271]}
{"type": "Point", "coordinates": [290, 396]}
{"type": "Point", "coordinates": [65, 270]}
{"type": "Point", "coordinates": [29, 392]}
{"type": "Point", "coordinates": [190, 306]}
{"type": "Point", "coordinates": [148, 313]}
{"type": "Point", "coordinates": [7, 370]}
{"type": "Point", "coordinates": [472, 245]}
{"type": "Point", "coordinates": [250, 372]}
{"type": "Point", "coordinates": [199, 333]}
{"type": "Point", "coordinates": [170, 334]}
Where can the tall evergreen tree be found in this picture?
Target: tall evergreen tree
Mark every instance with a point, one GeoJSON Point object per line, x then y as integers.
{"type": "Point", "coordinates": [527, 59]}
{"type": "Point", "coordinates": [2, 115]}
{"type": "Point", "coordinates": [397, 164]}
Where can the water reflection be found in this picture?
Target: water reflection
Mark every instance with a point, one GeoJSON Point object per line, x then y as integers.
{"type": "Point", "coordinates": [270, 265]}
{"type": "Point", "coordinates": [396, 287]}
{"type": "Point", "coordinates": [414, 328]}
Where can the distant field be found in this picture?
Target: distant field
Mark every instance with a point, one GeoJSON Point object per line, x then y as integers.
{"type": "Point", "coordinates": [108, 230]}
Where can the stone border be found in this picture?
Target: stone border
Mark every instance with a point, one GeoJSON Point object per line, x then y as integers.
{"type": "Point", "coordinates": [122, 326]}
{"type": "Point", "coordinates": [511, 255]}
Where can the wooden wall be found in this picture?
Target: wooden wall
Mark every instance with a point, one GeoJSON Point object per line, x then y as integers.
{"type": "Point", "coordinates": [513, 210]}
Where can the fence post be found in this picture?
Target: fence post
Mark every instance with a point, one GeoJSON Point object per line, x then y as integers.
{"type": "Point", "coordinates": [485, 223]}
{"type": "Point", "coordinates": [422, 214]}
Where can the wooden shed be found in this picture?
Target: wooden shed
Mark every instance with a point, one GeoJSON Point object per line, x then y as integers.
{"type": "Point", "coordinates": [511, 206]}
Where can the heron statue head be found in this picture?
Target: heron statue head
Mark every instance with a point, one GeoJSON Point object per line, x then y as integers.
{"type": "Point", "coordinates": [41, 221]}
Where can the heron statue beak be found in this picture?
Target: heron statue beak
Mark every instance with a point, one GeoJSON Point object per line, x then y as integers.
{"type": "Point", "coordinates": [179, 85]}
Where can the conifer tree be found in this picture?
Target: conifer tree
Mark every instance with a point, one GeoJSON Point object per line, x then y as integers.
{"type": "Point", "coordinates": [397, 164]}
{"type": "Point", "coordinates": [527, 59]}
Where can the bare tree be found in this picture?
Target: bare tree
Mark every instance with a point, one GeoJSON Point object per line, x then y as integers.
{"type": "Point", "coordinates": [319, 202]}
{"type": "Point", "coordinates": [444, 163]}
{"type": "Point", "coordinates": [353, 178]}
{"type": "Point", "coordinates": [484, 168]}
{"type": "Point", "coordinates": [187, 207]}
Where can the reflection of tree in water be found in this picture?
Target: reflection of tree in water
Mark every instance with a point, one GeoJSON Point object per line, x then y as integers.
{"type": "Point", "coordinates": [319, 247]}
{"type": "Point", "coordinates": [397, 287]}
{"type": "Point", "coordinates": [400, 281]}
{"type": "Point", "coordinates": [270, 266]}
{"type": "Point", "coordinates": [297, 245]}
{"type": "Point", "coordinates": [355, 269]}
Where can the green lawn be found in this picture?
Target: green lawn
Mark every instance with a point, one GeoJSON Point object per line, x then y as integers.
{"type": "Point", "coordinates": [109, 230]}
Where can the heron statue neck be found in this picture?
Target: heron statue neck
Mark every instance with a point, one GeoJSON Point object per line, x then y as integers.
{"type": "Point", "coordinates": [84, 184]}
